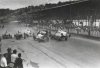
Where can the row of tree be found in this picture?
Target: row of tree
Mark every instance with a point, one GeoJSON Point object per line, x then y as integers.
{"type": "Point", "coordinates": [4, 12]}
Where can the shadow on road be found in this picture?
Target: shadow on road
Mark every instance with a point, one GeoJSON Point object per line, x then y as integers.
{"type": "Point", "coordinates": [35, 65]}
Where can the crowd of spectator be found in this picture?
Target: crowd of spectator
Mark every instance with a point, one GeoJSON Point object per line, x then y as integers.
{"type": "Point", "coordinates": [11, 59]}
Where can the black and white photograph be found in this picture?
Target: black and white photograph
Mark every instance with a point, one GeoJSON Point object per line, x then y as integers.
{"type": "Point", "coordinates": [49, 33]}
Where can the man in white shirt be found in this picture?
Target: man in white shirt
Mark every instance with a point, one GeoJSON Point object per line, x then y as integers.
{"type": "Point", "coordinates": [14, 56]}
{"type": "Point", "coordinates": [3, 62]}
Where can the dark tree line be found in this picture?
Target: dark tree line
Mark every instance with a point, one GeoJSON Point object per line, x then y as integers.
{"type": "Point", "coordinates": [4, 15]}
{"type": "Point", "coordinates": [4, 12]}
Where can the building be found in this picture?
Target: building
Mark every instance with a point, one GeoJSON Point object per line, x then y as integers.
{"type": "Point", "coordinates": [79, 11]}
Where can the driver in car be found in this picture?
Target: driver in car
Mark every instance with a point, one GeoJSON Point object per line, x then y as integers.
{"type": "Point", "coordinates": [62, 33]}
{"type": "Point", "coordinates": [39, 36]}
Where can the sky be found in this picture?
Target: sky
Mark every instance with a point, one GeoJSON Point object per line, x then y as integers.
{"type": "Point", "coordinates": [15, 4]}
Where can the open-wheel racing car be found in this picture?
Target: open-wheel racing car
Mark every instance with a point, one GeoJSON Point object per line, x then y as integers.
{"type": "Point", "coordinates": [18, 36]}
{"type": "Point", "coordinates": [42, 36]}
{"type": "Point", "coordinates": [7, 36]}
{"type": "Point", "coordinates": [60, 35]}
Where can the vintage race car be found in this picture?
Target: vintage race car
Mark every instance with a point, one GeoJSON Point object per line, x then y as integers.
{"type": "Point", "coordinates": [18, 36]}
{"type": "Point", "coordinates": [60, 35]}
{"type": "Point", "coordinates": [7, 36]}
{"type": "Point", "coordinates": [41, 36]}
{"type": "Point", "coordinates": [28, 32]}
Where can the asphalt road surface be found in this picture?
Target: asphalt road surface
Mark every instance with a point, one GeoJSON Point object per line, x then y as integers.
{"type": "Point", "coordinates": [74, 53]}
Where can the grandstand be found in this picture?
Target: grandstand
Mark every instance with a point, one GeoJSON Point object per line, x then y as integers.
{"type": "Point", "coordinates": [79, 10]}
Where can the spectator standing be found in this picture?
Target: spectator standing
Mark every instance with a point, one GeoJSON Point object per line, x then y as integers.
{"type": "Point", "coordinates": [19, 62]}
{"type": "Point", "coordinates": [8, 55]}
{"type": "Point", "coordinates": [14, 56]}
{"type": "Point", "coordinates": [3, 61]}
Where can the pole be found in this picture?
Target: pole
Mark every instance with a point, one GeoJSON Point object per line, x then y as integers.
{"type": "Point", "coordinates": [0, 45]}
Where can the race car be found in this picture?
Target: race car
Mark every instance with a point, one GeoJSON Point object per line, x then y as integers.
{"type": "Point", "coordinates": [7, 36]}
{"type": "Point", "coordinates": [28, 32]}
{"type": "Point", "coordinates": [60, 35]}
{"type": "Point", "coordinates": [18, 36]}
{"type": "Point", "coordinates": [41, 36]}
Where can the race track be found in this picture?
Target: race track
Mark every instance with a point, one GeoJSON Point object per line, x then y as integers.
{"type": "Point", "coordinates": [74, 53]}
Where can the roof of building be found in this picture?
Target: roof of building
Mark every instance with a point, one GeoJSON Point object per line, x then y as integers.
{"type": "Point", "coordinates": [74, 2]}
